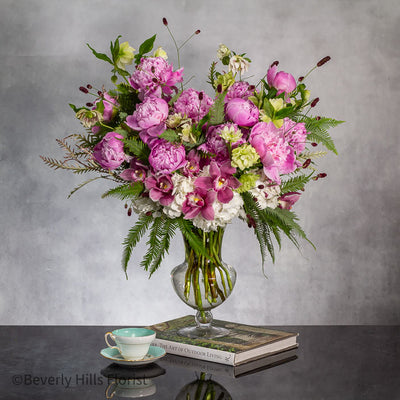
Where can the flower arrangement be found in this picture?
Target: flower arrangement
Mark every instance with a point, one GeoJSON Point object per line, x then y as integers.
{"type": "Point", "coordinates": [186, 160]}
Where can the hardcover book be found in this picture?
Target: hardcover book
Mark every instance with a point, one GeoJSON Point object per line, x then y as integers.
{"type": "Point", "coordinates": [244, 343]}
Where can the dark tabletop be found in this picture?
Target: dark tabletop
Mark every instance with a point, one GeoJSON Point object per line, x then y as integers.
{"type": "Point", "coordinates": [332, 362]}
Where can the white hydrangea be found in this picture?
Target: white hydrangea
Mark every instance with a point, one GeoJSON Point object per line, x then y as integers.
{"type": "Point", "coordinates": [267, 194]}
{"type": "Point", "coordinates": [224, 214]}
{"type": "Point", "coordinates": [182, 186]}
{"type": "Point", "coordinates": [142, 205]}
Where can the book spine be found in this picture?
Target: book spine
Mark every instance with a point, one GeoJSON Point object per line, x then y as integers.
{"type": "Point", "coordinates": [199, 353]}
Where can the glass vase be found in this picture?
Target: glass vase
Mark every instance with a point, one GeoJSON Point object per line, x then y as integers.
{"type": "Point", "coordinates": [203, 281]}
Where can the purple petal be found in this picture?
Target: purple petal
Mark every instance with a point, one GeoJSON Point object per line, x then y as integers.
{"type": "Point", "coordinates": [225, 195]}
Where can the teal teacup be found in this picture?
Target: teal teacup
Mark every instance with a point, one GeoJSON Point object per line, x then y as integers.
{"type": "Point", "coordinates": [132, 343]}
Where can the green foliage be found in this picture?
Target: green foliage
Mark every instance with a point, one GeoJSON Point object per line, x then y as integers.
{"type": "Point", "coordinates": [217, 110]}
{"type": "Point", "coordinates": [126, 191]}
{"type": "Point", "coordinates": [139, 149]}
{"type": "Point", "coordinates": [161, 233]}
{"type": "Point", "coordinates": [100, 56]}
{"type": "Point", "coordinates": [212, 74]}
{"type": "Point", "coordinates": [144, 48]}
{"type": "Point", "coordinates": [318, 129]}
{"type": "Point", "coordinates": [273, 221]}
{"type": "Point", "coordinates": [261, 229]}
{"type": "Point", "coordinates": [195, 241]}
{"type": "Point", "coordinates": [170, 136]}
{"type": "Point", "coordinates": [135, 234]}
{"type": "Point", "coordinates": [294, 184]}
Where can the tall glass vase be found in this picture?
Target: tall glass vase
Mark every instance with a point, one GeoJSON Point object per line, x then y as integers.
{"type": "Point", "coordinates": [204, 282]}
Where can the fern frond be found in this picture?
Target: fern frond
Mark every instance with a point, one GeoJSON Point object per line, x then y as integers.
{"type": "Point", "coordinates": [188, 231]}
{"type": "Point", "coordinates": [139, 149]}
{"type": "Point", "coordinates": [286, 221]}
{"type": "Point", "coordinates": [126, 191]}
{"type": "Point", "coordinates": [83, 184]}
{"type": "Point", "coordinates": [261, 228]}
{"type": "Point", "coordinates": [294, 184]}
{"type": "Point", "coordinates": [134, 236]}
{"type": "Point", "coordinates": [318, 129]}
{"type": "Point", "coordinates": [217, 114]}
{"type": "Point", "coordinates": [165, 234]}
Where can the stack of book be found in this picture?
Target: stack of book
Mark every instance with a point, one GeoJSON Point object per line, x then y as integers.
{"type": "Point", "coordinates": [245, 344]}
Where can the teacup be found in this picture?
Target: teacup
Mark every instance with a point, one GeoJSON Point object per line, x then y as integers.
{"type": "Point", "coordinates": [132, 343]}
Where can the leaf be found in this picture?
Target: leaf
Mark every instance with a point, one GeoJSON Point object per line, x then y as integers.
{"type": "Point", "coordinates": [134, 236]}
{"type": "Point", "coordinates": [74, 107]}
{"type": "Point", "coordinates": [124, 192]}
{"type": "Point", "coordinates": [195, 241]}
{"type": "Point", "coordinates": [139, 149]}
{"type": "Point", "coordinates": [144, 48]}
{"type": "Point", "coordinates": [294, 184]}
{"type": "Point", "coordinates": [318, 129]}
{"type": "Point", "coordinates": [170, 136]}
{"type": "Point", "coordinates": [217, 114]}
{"type": "Point", "coordinates": [100, 56]}
{"type": "Point", "coordinates": [114, 48]}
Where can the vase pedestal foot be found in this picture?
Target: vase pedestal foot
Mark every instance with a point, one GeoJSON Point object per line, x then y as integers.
{"type": "Point", "coordinates": [204, 328]}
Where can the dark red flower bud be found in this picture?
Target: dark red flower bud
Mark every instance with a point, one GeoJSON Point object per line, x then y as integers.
{"type": "Point", "coordinates": [314, 102]}
{"type": "Point", "coordinates": [313, 144]}
{"type": "Point", "coordinates": [153, 69]}
{"type": "Point", "coordinates": [126, 205]}
{"type": "Point", "coordinates": [89, 86]}
{"type": "Point", "coordinates": [255, 199]}
{"type": "Point", "coordinates": [155, 80]}
{"type": "Point", "coordinates": [197, 32]}
{"type": "Point", "coordinates": [201, 96]}
{"type": "Point", "coordinates": [100, 93]}
{"type": "Point", "coordinates": [275, 63]}
{"type": "Point", "coordinates": [83, 89]}
{"type": "Point", "coordinates": [89, 104]}
{"type": "Point", "coordinates": [129, 212]}
{"type": "Point", "coordinates": [148, 213]}
{"type": "Point", "coordinates": [164, 21]}
{"type": "Point", "coordinates": [307, 163]}
{"type": "Point", "coordinates": [261, 187]}
{"type": "Point", "coordinates": [322, 175]}
{"type": "Point", "coordinates": [251, 87]}
{"type": "Point", "coordinates": [318, 118]}
{"type": "Point", "coordinates": [301, 78]}
{"type": "Point", "coordinates": [219, 88]}
{"type": "Point", "coordinates": [323, 61]}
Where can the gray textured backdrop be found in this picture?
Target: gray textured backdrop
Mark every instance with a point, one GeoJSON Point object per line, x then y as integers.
{"type": "Point", "coordinates": [60, 259]}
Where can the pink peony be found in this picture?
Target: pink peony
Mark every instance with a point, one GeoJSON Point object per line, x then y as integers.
{"type": "Point", "coordinates": [284, 82]}
{"type": "Point", "coordinates": [109, 152]}
{"type": "Point", "coordinates": [154, 76]}
{"type": "Point", "coordinates": [149, 118]}
{"type": "Point", "coordinates": [199, 201]}
{"type": "Point", "coordinates": [189, 104]}
{"type": "Point", "coordinates": [276, 155]}
{"type": "Point", "coordinates": [295, 134]}
{"type": "Point", "coordinates": [242, 112]}
{"type": "Point", "coordinates": [160, 189]}
{"type": "Point", "coordinates": [166, 157]}
{"type": "Point", "coordinates": [240, 90]}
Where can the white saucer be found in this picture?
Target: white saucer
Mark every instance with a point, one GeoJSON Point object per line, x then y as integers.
{"type": "Point", "coordinates": [154, 354]}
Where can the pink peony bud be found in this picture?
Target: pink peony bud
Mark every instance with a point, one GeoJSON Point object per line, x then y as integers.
{"type": "Point", "coordinates": [242, 112]}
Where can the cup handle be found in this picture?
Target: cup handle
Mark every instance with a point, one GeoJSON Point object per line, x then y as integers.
{"type": "Point", "coordinates": [113, 338]}
{"type": "Point", "coordinates": [112, 386]}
